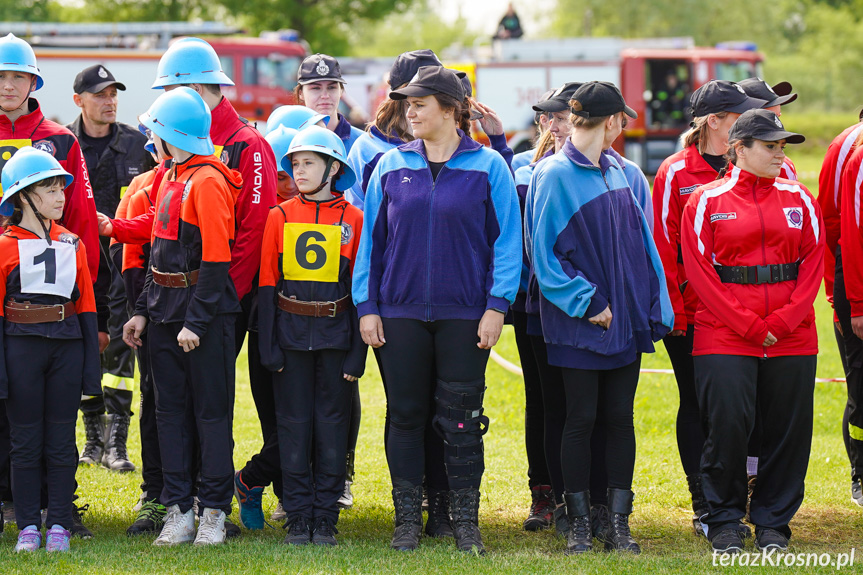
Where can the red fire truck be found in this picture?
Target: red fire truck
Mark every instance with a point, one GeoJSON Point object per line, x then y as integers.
{"type": "Point", "coordinates": [656, 77]}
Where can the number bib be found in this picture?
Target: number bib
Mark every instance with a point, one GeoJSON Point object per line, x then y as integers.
{"type": "Point", "coordinates": [311, 252]}
{"type": "Point", "coordinates": [8, 149]}
{"type": "Point", "coordinates": [47, 269]}
{"type": "Point", "coordinates": [167, 222]}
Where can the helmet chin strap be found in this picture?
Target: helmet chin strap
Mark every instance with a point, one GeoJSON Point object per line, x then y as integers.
{"type": "Point", "coordinates": [325, 179]}
{"type": "Point", "coordinates": [38, 215]}
{"type": "Point", "coordinates": [27, 99]}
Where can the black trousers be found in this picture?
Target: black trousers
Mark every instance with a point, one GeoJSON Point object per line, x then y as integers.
{"type": "Point", "coordinates": [728, 388]}
{"type": "Point", "coordinates": [417, 358]}
{"type": "Point", "coordinates": [151, 457]}
{"type": "Point", "coordinates": [313, 410]}
{"type": "Point", "coordinates": [534, 411]}
{"type": "Point", "coordinates": [45, 383]}
{"type": "Point", "coordinates": [5, 477]}
{"type": "Point", "coordinates": [690, 431]}
{"type": "Point", "coordinates": [195, 392]}
{"type": "Point", "coordinates": [852, 419]}
{"type": "Point", "coordinates": [554, 413]}
{"type": "Point", "coordinates": [589, 392]}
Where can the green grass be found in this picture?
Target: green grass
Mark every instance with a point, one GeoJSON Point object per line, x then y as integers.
{"type": "Point", "coordinates": [827, 522]}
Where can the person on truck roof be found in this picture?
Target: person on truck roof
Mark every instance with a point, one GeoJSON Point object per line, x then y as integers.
{"type": "Point", "coordinates": [715, 107]}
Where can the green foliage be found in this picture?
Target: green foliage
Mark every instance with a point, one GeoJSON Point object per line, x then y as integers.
{"type": "Point", "coordinates": [27, 11]}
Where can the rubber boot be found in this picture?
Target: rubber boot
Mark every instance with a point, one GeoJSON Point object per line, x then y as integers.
{"type": "Point", "coordinates": [409, 518]}
{"type": "Point", "coordinates": [94, 431]}
{"type": "Point", "coordinates": [620, 508]}
{"type": "Point", "coordinates": [439, 523]}
{"type": "Point", "coordinates": [115, 456]}
{"type": "Point", "coordinates": [699, 503]}
{"type": "Point", "coordinates": [464, 508]}
{"type": "Point", "coordinates": [579, 539]}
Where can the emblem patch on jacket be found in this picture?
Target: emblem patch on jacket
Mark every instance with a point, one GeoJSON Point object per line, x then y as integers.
{"type": "Point", "coordinates": [794, 217]}
{"type": "Point", "coordinates": [347, 233]}
{"type": "Point", "coordinates": [723, 216]}
{"type": "Point", "coordinates": [45, 146]}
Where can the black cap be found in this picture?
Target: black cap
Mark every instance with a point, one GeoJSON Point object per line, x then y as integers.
{"type": "Point", "coordinates": [722, 96]}
{"type": "Point", "coordinates": [406, 66]}
{"type": "Point", "coordinates": [558, 101]}
{"type": "Point", "coordinates": [318, 68]}
{"type": "Point", "coordinates": [762, 125]}
{"type": "Point", "coordinates": [599, 99]}
{"type": "Point", "coordinates": [432, 80]}
{"type": "Point", "coordinates": [538, 113]}
{"type": "Point", "coordinates": [95, 79]}
{"type": "Point", "coordinates": [758, 88]}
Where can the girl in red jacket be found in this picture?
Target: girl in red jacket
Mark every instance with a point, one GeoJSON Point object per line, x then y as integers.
{"type": "Point", "coordinates": [753, 248]}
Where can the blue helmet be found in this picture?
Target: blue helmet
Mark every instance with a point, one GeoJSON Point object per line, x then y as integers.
{"type": "Point", "coordinates": [150, 146]}
{"type": "Point", "coordinates": [26, 167]}
{"type": "Point", "coordinates": [181, 118]}
{"type": "Point", "coordinates": [322, 141]}
{"type": "Point", "coordinates": [280, 140]}
{"type": "Point", "coordinates": [296, 117]}
{"type": "Point", "coordinates": [190, 61]}
{"type": "Point", "coordinates": [17, 55]}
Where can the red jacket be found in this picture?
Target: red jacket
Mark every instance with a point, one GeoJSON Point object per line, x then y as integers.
{"type": "Point", "coordinates": [852, 230]}
{"type": "Point", "coordinates": [241, 148]}
{"type": "Point", "coordinates": [677, 179]}
{"type": "Point", "coordinates": [743, 220]}
{"type": "Point", "coordinates": [79, 214]}
{"type": "Point", "coordinates": [829, 186]}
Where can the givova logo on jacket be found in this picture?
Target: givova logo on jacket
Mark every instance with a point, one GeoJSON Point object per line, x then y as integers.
{"type": "Point", "coordinates": [311, 252]}
{"type": "Point", "coordinates": [794, 217]}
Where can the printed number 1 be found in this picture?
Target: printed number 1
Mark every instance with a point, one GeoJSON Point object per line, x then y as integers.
{"type": "Point", "coordinates": [49, 258]}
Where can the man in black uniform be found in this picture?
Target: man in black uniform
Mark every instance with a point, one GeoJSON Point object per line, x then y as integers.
{"type": "Point", "coordinates": [114, 154]}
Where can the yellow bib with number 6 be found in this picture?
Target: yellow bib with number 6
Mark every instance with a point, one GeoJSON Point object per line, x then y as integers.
{"type": "Point", "coordinates": [311, 252]}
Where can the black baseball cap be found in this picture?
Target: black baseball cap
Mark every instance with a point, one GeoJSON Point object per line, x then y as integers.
{"type": "Point", "coordinates": [722, 96]}
{"type": "Point", "coordinates": [542, 99]}
{"type": "Point", "coordinates": [406, 66]}
{"type": "Point", "coordinates": [95, 79]}
{"type": "Point", "coordinates": [432, 80]}
{"type": "Point", "coordinates": [557, 101]}
{"type": "Point", "coordinates": [758, 88]}
{"type": "Point", "coordinates": [762, 125]}
{"type": "Point", "coordinates": [318, 68]}
{"type": "Point", "coordinates": [599, 99]}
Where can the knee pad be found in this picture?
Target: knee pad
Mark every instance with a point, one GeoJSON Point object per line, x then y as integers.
{"type": "Point", "coordinates": [459, 415]}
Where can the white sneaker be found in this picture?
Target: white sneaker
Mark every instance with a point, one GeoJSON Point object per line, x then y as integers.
{"type": "Point", "coordinates": [211, 530]}
{"type": "Point", "coordinates": [279, 514]}
{"type": "Point", "coordinates": [179, 527]}
{"type": "Point", "coordinates": [346, 501]}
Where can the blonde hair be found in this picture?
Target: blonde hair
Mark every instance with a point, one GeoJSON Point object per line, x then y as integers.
{"type": "Point", "coordinates": [543, 145]}
{"type": "Point", "coordinates": [698, 133]}
{"type": "Point", "coordinates": [391, 120]}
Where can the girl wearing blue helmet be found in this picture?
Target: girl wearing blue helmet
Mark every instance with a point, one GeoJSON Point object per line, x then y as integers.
{"type": "Point", "coordinates": [309, 331]}
{"type": "Point", "coordinates": [49, 347]}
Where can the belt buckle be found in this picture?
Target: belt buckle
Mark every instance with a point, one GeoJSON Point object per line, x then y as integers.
{"type": "Point", "coordinates": [763, 275]}
{"type": "Point", "coordinates": [185, 279]}
{"type": "Point", "coordinates": [62, 313]}
{"type": "Point", "coordinates": [332, 313]}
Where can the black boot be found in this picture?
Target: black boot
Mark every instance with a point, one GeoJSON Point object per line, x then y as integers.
{"type": "Point", "coordinates": [541, 508]}
{"type": "Point", "coordinates": [94, 431]}
{"type": "Point", "coordinates": [580, 537]}
{"type": "Point", "coordinates": [561, 523]}
{"type": "Point", "coordinates": [620, 507]}
{"type": "Point", "coordinates": [409, 518]}
{"type": "Point", "coordinates": [599, 521]}
{"type": "Point", "coordinates": [115, 456]}
{"type": "Point", "coordinates": [699, 503]}
{"type": "Point", "coordinates": [464, 508]}
{"type": "Point", "coordinates": [439, 523]}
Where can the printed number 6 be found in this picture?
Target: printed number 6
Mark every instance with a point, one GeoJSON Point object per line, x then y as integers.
{"type": "Point", "coordinates": [303, 248]}
{"type": "Point", "coordinates": [49, 258]}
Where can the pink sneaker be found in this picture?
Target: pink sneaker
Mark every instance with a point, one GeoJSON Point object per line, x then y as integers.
{"type": "Point", "coordinates": [57, 539]}
{"type": "Point", "coordinates": [28, 540]}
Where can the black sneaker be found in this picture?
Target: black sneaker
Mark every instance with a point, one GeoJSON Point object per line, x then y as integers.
{"type": "Point", "coordinates": [324, 532]}
{"type": "Point", "coordinates": [78, 528]}
{"type": "Point", "coordinates": [299, 531]}
{"type": "Point", "coordinates": [728, 540]}
{"type": "Point", "coordinates": [857, 491]}
{"type": "Point", "coordinates": [766, 538]}
{"type": "Point", "coordinates": [151, 519]}
{"type": "Point", "coordinates": [231, 529]}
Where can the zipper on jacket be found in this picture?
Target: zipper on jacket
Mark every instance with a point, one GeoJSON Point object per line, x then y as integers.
{"type": "Point", "coordinates": [312, 289]}
{"type": "Point", "coordinates": [763, 252]}
{"type": "Point", "coordinates": [429, 244]}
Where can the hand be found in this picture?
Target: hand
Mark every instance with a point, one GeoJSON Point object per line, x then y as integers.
{"type": "Point", "coordinates": [350, 378]}
{"type": "Point", "coordinates": [372, 330]}
{"type": "Point", "coordinates": [104, 340]}
{"type": "Point", "coordinates": [132, 331]}
{"type": "Point", "coordinates": [602, 319]}
{"type": "Point", "coordinates": [490, 122]}
{"type": "Point", "coordinates": [188, 339]}
{"type": "Point", "coordinates": [857, 326]}
{"type": "Point", "coordinates": [106, 227]}
{"type": "Point", "coordinates": [489, 329]}
{"type": "Point", "coordinates": [839, 328]}
{"type": "Point", "coordinates": [677, 332]}
{"type": "Point", "coordinates": [770, 339]}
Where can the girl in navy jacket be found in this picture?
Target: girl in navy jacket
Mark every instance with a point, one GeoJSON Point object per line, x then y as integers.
{"type": "Point", "coordinates": [438, 266]}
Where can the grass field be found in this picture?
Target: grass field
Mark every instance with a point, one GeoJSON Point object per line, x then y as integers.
{"type": "Point", "coordinates": [827, 523]}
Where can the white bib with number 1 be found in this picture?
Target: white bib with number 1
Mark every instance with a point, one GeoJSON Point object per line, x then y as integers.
{"type": "Point", "coordinates": [47, 269]}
